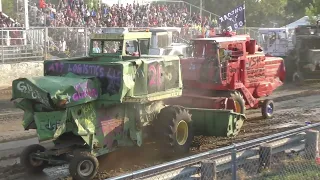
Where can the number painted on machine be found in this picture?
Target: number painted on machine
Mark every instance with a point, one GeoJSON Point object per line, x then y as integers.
{"type": "Point", "coordinates": [155, 73]}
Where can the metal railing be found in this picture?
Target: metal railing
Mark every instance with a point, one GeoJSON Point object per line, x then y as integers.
{"type": "Point", "coordinates": [286, 155]}
{"type": "Point", "coordinates": [18, 44]}
{"type": "Point", "coordinates": [41, 43]}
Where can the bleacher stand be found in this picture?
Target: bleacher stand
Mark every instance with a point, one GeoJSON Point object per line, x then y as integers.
{"type": "Point", "coordinates": [74, 13]}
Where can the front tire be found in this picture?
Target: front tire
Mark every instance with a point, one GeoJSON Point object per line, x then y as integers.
{"type": "Point", "coordinates": [31, 164]}
{"type": "Point", "coordinates": [83, 166]}
{"type": "Point", "coordinates": [175, 129]}
{"type": "Point", "coordinates": [267, 109]}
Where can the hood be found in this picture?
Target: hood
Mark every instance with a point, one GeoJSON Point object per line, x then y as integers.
{"type": "Point", "coordinates": [55, 91]}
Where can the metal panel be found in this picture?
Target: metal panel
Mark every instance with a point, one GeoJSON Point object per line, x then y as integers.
{"type": "Point", "coordinates": [109, 75]}
{"type": "Point", "coordinates": [214, 122]}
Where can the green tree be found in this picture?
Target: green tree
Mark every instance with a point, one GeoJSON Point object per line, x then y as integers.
{"type": "Point", "coordinates": [313, 11]}
{"type": "Point", "coordinates": [296, 9]}
{"type": "Point", "coordinates": [8, 8]}
{"type": "Point", "coordinates": [258, 12]}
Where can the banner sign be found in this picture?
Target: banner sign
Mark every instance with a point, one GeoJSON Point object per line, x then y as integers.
{"type": "Point", "coordinates": [233, 19]}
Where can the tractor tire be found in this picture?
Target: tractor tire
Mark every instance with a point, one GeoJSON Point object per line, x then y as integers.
{"type": "Point", "coordinates": [239, 102]}
{"type": "Point", "coordinates": [297, 78]}
{"type": "Point", "coordinates": [267, 109]}
{"type": "Point", "coordinates": [83, 166]}
{"type": "Point", "coordinates": [30, 164]}
{"type": "Point", "coordinates": [290, 67]}
{"type": "Point", "coordinates": [174, 129]}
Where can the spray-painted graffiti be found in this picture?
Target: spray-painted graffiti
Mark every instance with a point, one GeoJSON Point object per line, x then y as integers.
{"type": "Point", "coordinates": [155, 73]}
{"type": "Point", "coordinates": [111, 128]}
{"type": "Point", "coordinates": [27, 89]}
{"type": "Point", "coordinates": [111, 125]}
{"type": "Point", "coordinates": [88, 116]}
{"type": "Point", "coordinates": [56, 67]}
{"type": "Point", "coordinates": [53, 126]}
{"type": "Point", "coordinates": [109, 75]}
{"type": "Point", "coordinates": [84, 91]}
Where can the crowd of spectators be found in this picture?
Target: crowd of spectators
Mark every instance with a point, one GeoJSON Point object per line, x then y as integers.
{"type": "Point", "coordinates": [74, 13]}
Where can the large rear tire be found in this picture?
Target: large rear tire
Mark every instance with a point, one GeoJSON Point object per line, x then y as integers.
{"type": "Point", "coordinates": [297, 78]}
{"type": "Point", "coordinates": [239, 103]}
{"type": "Point", "coordinates": [290, 67]}
{"type": "Point", "coordinates": [174, 129]}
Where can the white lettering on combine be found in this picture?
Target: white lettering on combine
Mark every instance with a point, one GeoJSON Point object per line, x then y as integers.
{"type": "Point", "coordinates": [26, 88]}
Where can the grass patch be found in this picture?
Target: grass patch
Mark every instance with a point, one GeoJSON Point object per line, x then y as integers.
{"type": "Point", "coordinates": [296, 169]}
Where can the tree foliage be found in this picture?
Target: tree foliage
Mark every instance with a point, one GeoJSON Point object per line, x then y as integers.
{"type": "Point", "coordinates": [265, 13]}
{"type": "Point", "coordinates": [313, 10]}
{"type": "Point", "coordinates": [9, 8]}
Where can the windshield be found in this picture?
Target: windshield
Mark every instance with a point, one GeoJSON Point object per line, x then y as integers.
{"type": "Point", "coordinates": [103, 47]}
{"type": "Point", "coordinates": [163, 39]}
{"type": "Point", "coordinates": [111, 47]}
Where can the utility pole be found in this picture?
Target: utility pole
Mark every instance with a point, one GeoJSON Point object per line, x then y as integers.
{"type": "Point", "coordinates": [201, 10]}
{"type": "Point", "coordinates": [26, 14]}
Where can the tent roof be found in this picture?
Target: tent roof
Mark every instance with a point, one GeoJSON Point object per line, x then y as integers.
{"type": "Point", "coordinates": [302, 21]}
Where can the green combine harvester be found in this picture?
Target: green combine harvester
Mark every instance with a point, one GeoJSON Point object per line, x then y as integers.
{"type": "Point", "coordinates": [91, 106]}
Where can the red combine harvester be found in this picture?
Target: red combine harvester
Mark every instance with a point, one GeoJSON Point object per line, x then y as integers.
{"type": "Point", "coordinates": [229, 72]}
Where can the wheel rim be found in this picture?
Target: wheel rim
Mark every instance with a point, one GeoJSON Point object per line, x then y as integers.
{"type": "Point", "coordinates": [182, 132]}
{"type": "Point", "coordinates": [85, 168]}
{"type": "Point", "coordinates": [237, 107]}
{"type": "Point", "coordinates": [269, 109]}
{"type": "Point", "coordinates": [35, 162]}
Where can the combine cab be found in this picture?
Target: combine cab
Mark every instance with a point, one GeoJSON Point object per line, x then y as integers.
{"type": "Point", "coordinates": [303, 61]}
{"type": "Point", "coordinates": [229, 72]}
{"type": "Point", "coordinates": [167, 41]}
{"type": "Point", "coordinates": [94, 105]}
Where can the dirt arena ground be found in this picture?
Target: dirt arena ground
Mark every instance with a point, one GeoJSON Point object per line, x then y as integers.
{"type": "Point", "coordinates": [294, 105]}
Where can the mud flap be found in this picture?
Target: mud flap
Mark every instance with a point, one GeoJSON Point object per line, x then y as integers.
{"type": "Point", "coordinates": [216, 122]}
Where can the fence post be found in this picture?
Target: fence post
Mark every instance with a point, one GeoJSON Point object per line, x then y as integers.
{"type": "Point", "coordinates": [311, 144]}
{"type": "Point", "coordinates": [208, 170]}
{"type": "Point", "coordinates": [265, 156]}
{"type": "Point", "coordinates": [2, 44]}
{"type": "Point", "coordinates": [86, 40]}
{"type": "Point", "coordinates": [234, 162]}
{"type": "Point", "coordinates": [46, 43]}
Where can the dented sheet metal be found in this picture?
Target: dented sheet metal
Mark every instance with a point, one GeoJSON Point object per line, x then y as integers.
{"type": "Point", "coordinates": [53, 91]}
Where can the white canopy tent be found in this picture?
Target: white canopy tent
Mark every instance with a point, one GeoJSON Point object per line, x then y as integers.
{"type": "Point", "coordinates": [302, 21]}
